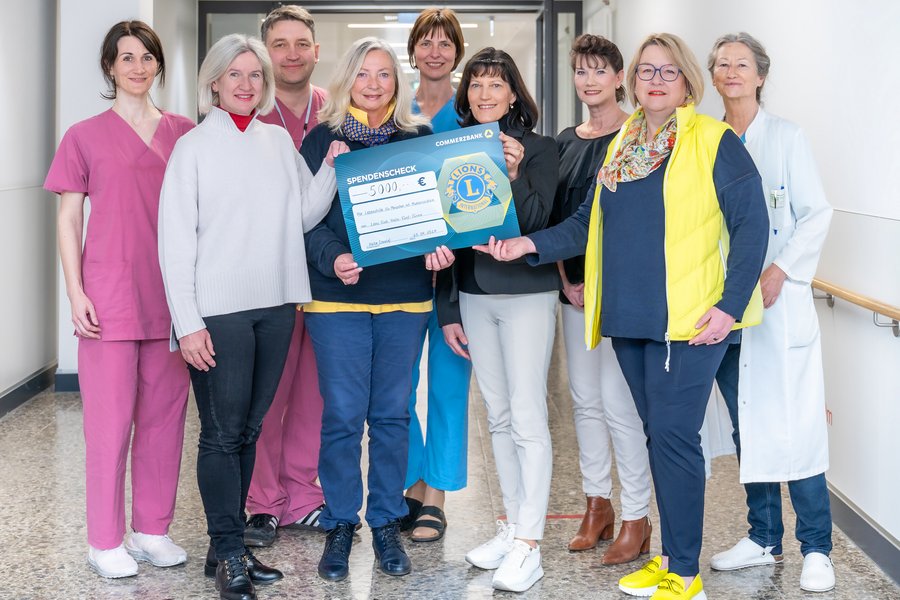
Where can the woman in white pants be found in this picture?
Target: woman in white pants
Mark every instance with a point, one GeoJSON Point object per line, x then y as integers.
{"type": "Point", "coordinates": [602, 403]}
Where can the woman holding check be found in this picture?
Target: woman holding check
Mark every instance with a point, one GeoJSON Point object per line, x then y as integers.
{"type": "Point", "coordinates": [677, 203]}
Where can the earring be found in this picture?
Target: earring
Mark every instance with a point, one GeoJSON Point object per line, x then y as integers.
{"type": "Point", "coordinates": [511, 105]}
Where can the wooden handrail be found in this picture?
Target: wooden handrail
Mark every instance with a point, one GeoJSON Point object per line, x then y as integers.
{"type": "Point", "coordinates": [892, 312]}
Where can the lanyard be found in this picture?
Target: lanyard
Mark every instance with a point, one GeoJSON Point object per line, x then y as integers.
{"type": "Point", "coordinates": [305, 121]}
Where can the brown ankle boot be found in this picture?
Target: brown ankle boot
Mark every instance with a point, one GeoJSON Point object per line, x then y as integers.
{"type": "Point", "coordinates": [598, 523]}
{"type": "Point", "coordinates": [633, 540]}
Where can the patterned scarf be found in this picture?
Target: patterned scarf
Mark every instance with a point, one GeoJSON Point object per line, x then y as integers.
{"type": "Point", "coordinates": [368, 136]}
{"type": "Point", "coordinates": [635, 160]}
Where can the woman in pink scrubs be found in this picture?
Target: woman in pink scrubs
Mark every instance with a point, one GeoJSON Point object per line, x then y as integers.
{"type": "Point", "coordinates": [129, 380]}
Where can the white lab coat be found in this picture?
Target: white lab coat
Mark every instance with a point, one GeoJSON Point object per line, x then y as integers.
{"type": "Point", "coordinates": [781, 397]}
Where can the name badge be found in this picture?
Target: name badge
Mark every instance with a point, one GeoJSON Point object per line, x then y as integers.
{"type": "Point", "coordinates": [776, 198]}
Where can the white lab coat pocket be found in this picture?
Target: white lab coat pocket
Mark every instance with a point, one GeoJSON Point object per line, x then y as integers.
{"type": "Point", "coordinates": [800, 314]}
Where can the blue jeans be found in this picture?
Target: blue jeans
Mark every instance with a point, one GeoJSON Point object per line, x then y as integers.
{"type": "Point", "coordinates": [809, 496]}
{"type": "Point", "coordinates": [440, 460]}
{"type": "Point", "coordinates": [232, 399]}
{"type": "Point", "coordinates": [365, 366]}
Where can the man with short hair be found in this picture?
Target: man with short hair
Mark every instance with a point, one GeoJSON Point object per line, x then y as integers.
{"type": "Point", "coordinates": [284, 492]}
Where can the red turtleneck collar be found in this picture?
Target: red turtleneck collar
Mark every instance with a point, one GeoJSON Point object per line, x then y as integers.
{"type": "Point", "coordinates": [242, 121]}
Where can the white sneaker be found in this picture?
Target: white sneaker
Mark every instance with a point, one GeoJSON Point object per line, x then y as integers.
{"type": "Point", "coordinates": [746, 553]}
{"type": "Point", "coordinates": [490, 554]}
{"type": "Point", "coordinates": [817, 574]}
{"type": "Point", "coordinates": [520, 569]}
{"type": "Point", "coordinates": [112, 564]}
{"type": "Point", "coordinates": [158, 550]}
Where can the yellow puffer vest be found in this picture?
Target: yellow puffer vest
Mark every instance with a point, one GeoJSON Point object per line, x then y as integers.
{"type": "Point", "coordinates": [696, 244]}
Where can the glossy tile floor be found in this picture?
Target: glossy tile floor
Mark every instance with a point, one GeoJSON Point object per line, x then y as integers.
{"type": "Point", "coordinates": [43, 535]}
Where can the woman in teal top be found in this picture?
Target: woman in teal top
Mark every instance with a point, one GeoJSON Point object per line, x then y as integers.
{"type": "Point", "coordinates": [437, 461]}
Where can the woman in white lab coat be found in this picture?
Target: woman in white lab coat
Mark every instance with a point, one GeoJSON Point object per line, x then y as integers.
{"type": "Point", "coordinates": [772, 381]}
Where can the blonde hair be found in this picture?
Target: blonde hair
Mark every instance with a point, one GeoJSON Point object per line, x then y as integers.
{"type": "Point", "coordinates": [217, 60]}
{"type": "Point", "coordinates": [682, 57]}
{"type": "Point", "coordinates": [335, 109]}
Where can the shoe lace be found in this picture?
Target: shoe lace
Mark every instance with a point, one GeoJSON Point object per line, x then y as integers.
{"type": "Point", "coordinates": [501, 529]}
{"type": "Point", "coordinates": [261, 520]}
{"type": "Point", "coordinates": [671, 584]}
{"type": "Point", "coordinates": [651, 566]}
{"type": "Point", "coordinates": [338, 538]}
{"type": "Point", "coordinates": [235, 565]}
{"type": "Point", "coordinates": [390, 536]}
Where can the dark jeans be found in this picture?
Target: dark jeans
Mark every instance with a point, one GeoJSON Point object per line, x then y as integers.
{"type": "Point", "coordinates": [365, 366]}
{"type": "Point", "coordinates": [808, 496]}
{"type": "Point", "coordinates": [672, 406]}
{"type": "Point", "coordinates": [232, 399]}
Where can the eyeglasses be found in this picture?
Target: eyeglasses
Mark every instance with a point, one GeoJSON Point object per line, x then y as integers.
{"type": "Point", "coordinates": [646, 72]}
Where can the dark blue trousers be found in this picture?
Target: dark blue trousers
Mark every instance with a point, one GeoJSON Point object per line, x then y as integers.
{"type": "Point", "coordinates": [232, 400]}
{"type": "Point", "coordinates": [672, 405]}
{"type": "Point", "coordinates": [365, 364]}
{"type": "Point", "coordinates": [809, 496]}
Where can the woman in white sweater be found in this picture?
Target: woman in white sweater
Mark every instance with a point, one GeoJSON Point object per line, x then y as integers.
{"type": "Point", "coordinates": [235, 203]}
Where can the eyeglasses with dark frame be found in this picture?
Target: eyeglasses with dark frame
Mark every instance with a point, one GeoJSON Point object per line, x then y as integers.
{"type": "Point", "coordinates": [646, 72]}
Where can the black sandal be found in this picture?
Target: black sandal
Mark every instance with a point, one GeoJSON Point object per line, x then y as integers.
{"type": "Point", "coordinates": [414, 506]}
{"type": "Point", "coordinates": [440, 525]}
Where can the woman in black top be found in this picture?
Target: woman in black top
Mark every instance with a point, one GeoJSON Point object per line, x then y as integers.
{"type": "Point", "coordinates": [508, 318]}
{"type": "Point", "coordinates": [602, 403]}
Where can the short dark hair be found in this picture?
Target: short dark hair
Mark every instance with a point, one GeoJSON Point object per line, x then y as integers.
{"type": "Point", "coordinates": [598, 51]}
{"type": "Point", "coordinates": [432, 19]}
{"type": "Point", "coordinates": [493, 62]}
{"type": "Point", "coordinates": [109, 51]}
{"type": "Point", "coordinates": [287, 12]}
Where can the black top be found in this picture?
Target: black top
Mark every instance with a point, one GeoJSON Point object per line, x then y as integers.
{"type": "Point", "coordinates": [478, 272]}
{"type": "Point", "coordinates": [634, 293]}
{"type": "Point", "coordinates": [579, 161]}
{"type": "Point", "coordinates": [390, 283]}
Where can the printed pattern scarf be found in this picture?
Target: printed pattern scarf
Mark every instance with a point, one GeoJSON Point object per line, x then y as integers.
{"type": "Point", "coordinates": [635, 160]}
{"type": "Point", "coordinates": [368, 136]}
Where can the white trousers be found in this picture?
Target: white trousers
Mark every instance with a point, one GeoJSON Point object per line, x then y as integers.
{"type": "Point", "coordinates": [603, 408]}
{"type": "Point", "coordinates": [510, 342]}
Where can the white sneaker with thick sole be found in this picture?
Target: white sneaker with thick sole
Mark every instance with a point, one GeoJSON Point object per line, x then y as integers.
{"type": "Point", "coordinates": [520, 569]}
{"type": "Point", "coordinates": [490, 554]}
{"type": "Point", "coordinates": [158, 550]}
{"type": "Point", "coordinates": [112, 564]}
{"type": "Point", "coordinates": [746, 553]}
{"type": "Point", "coordinates": [817, 574]}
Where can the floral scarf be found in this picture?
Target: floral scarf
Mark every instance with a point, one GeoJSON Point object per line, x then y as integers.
{"type": "Point", "coordinates": [635, 160]}
{"type": "Point", "coordinates": [368, 136]}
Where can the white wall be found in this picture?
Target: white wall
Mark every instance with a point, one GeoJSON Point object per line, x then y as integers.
{"type": "Point", "coordinates": [27, 213]}
{"type": "Point", "coordinates": [833, 73]}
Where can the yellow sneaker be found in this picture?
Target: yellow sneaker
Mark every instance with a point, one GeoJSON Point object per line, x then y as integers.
{"type": "Point", "coordinates": [672, 588]}
{"type": "Point", "coordinates": [644, 582]}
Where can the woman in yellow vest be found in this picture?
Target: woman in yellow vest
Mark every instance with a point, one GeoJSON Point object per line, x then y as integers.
{"type": "Point", "coordinates": [676, 206]}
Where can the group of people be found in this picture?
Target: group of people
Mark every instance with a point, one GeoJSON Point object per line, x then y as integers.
{"type": "Point", "coordinates": [687, 240]}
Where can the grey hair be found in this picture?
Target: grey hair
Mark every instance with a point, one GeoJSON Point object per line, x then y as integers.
{"type": "Point", "coordinates": [334, 111]}
{"type": "Point", "coordinates": [763, 62]}
{"type": "Point", "coordinates": [217, 60]}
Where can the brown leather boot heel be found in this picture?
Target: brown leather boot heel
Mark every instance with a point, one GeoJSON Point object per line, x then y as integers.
{"type": "Point", "coordinates": [597, 524]}
{"type": "Point", "coordinates": [633, 540]}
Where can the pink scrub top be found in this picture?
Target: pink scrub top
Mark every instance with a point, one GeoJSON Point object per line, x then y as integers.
{"type": "Point", "coordinates": [298, 127]}
{"type": "Point", "coordinates": [106, 159]}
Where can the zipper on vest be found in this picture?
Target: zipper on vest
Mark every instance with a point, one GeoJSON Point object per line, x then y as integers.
{"type": "Point", "coordinates": [668, 351]}
{"type": "Point", "coordinates": [665, 247]}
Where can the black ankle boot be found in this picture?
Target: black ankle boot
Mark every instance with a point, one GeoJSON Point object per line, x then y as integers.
{"type": "Point", "coordinates": [335, 562]}
{"type": "Point", "coordinates": [392, 558]}
{"type": "Point", "coordinates": [232, 580]}
{"type": "Point", "coordinates": [259, 573]}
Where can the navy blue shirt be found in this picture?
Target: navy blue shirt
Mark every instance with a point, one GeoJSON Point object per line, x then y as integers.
{"type": "Point", "coordinates": [634, 275]}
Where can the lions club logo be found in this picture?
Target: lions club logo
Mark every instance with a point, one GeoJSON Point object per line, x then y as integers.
{"type": "Point", "coordinates": [470, 188]}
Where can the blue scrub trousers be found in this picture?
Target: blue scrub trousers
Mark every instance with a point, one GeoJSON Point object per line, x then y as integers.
{"type": "Point", "coordinates": [364, 362]}
{"type": "Point", "coordinates": [672, 405]}
{"type": "Point", "coordinates": [809, 496]}
{"type": "Point", "coordinates": [439, 459]}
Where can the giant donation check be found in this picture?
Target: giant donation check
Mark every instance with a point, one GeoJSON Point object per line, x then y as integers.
{"type": "Point", "coordinates": [406, 198]}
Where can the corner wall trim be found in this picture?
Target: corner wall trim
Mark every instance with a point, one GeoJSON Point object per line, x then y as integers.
{"type": "Point", "coordinates": [24, 392]}
{"type": "Point", "coordinates": [876, 544]}
{"type": "Point", "coordinates": [66, 382]}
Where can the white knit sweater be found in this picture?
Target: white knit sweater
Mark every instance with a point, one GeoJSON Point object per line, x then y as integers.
{"type": "Point", "coordinates": [232, 213]}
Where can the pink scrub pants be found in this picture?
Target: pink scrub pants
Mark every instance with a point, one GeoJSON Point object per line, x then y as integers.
{"type": "Point", "coordinates": [127, 384]}
{"type": "Point", "coordinates": [287, 452]}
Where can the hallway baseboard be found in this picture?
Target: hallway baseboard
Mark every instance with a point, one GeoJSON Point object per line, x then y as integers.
{"type": "Point", "coordinates": [876, 543]}
{"type": "Point", "coordinates": [32, 386]}
{"type": "Point", "coordinates": [66, 381]}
